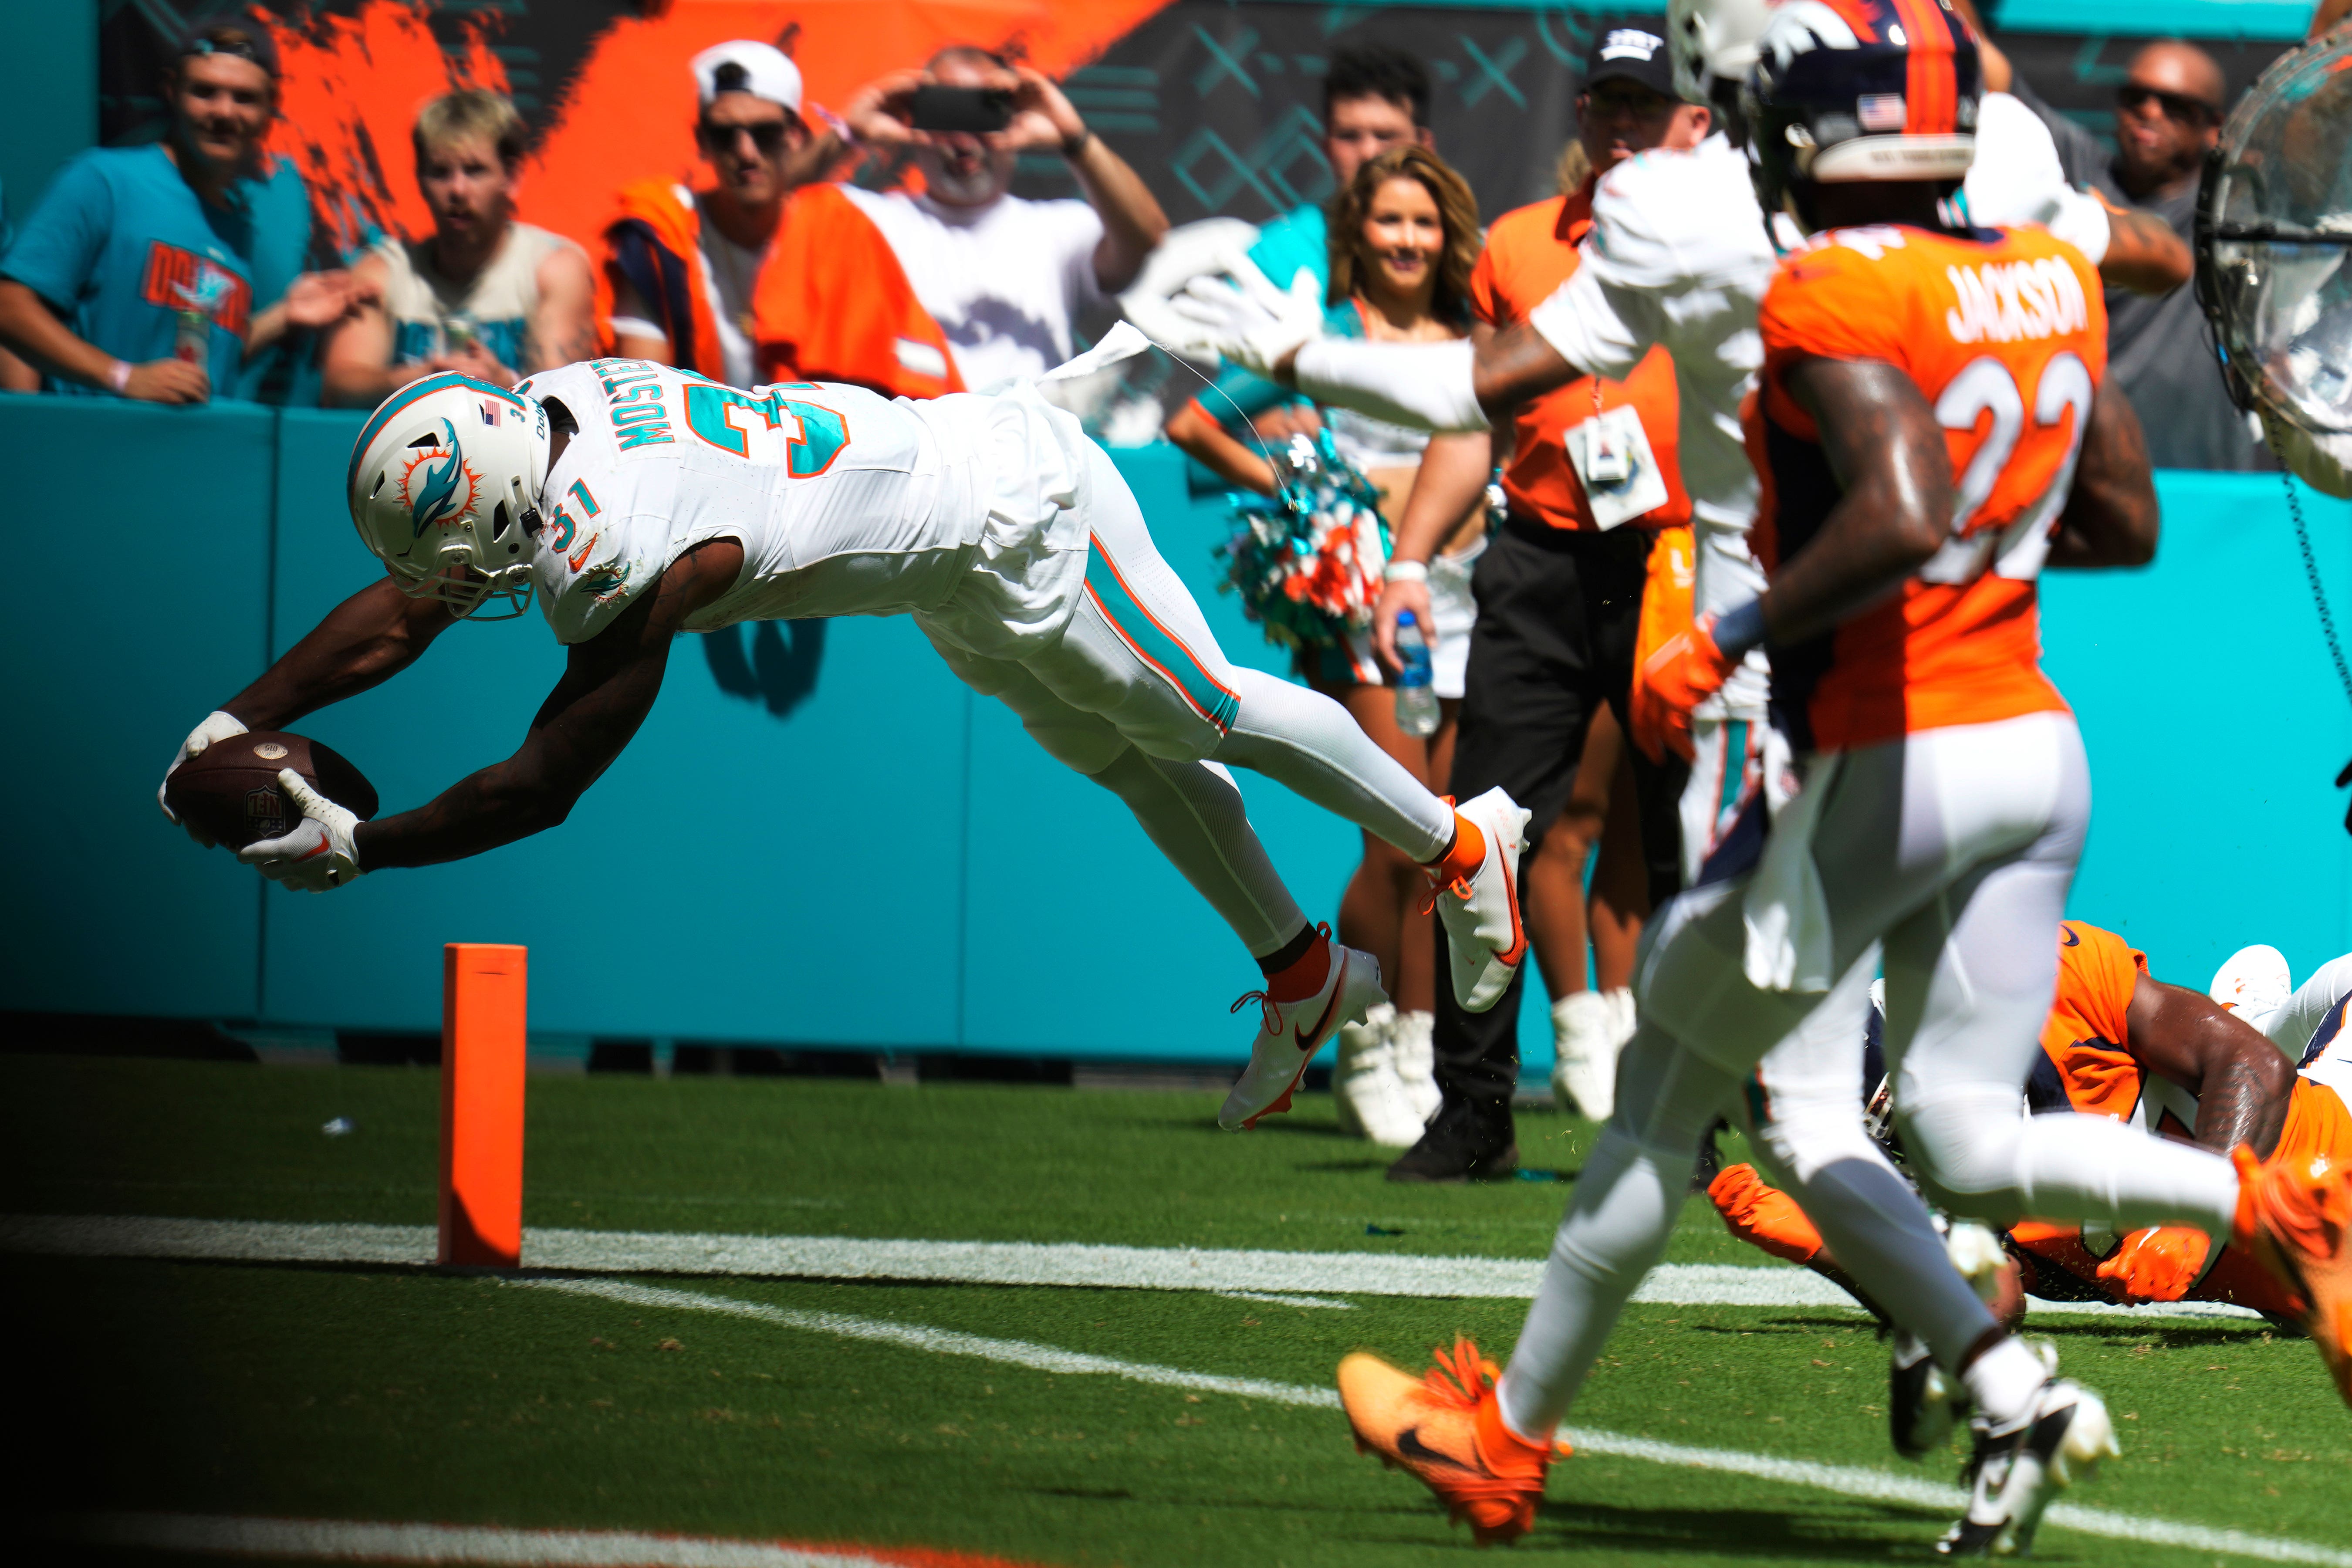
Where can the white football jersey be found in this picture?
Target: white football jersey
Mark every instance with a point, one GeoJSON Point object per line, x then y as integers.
{"type": "Point", "coordinates": [963, 511]}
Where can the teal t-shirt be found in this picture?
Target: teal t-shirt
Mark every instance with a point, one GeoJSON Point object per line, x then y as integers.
{"type": "Point", "coordinates": [120, 244]}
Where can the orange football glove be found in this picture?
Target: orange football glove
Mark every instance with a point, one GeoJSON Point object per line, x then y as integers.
{"type": "Point", "coordinates": [2155, 1264]}
{"type": "Point", "coordinates": [1763, 1216]}
{"type": "Point", "coordinates": [1685, 670]}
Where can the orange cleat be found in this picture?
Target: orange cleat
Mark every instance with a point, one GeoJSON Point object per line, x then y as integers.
{"type": "Point", "coordinates": [1446, 1427]}
{"type": "Point", "coordinates": [2294, 1215]}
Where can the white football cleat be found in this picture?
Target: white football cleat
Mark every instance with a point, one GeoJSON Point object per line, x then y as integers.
{"type": "Point", "coordinates": [2253, 983]}
{"type": "Point", "coordinates": [2019, 1469]}
{"type": "Point", "coordinates": [1480, 905]}
{"type": "Point", "coordinates": [1290, 1033]}
{"type": "Point", "coordinates": [1372, 1098]}
{"type": "Point", "coordinates": [1416, 1063]}
{"type": "Point", "coordinates": [1588, 1031]}
{"type": "Point", "coordinates": [1922, 1404]}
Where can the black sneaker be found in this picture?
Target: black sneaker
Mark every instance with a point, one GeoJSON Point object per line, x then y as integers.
{"type": "Point", "coordinates": [2019, 1468]}
{"type": "Point", "coordinates": [1922, 1404]}
{"type": "Point", "coordinates": [1465, 1141]}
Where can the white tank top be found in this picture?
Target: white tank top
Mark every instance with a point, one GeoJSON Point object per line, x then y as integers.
{"type": "Point", "coordinates": [496, 306]}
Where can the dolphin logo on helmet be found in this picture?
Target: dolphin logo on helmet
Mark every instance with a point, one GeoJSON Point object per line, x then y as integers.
{"type": "Point", "coordinates": [431, 501]}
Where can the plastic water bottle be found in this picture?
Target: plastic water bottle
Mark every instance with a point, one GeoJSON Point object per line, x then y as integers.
{"type": "Point", "coordinates": [1416, 700]}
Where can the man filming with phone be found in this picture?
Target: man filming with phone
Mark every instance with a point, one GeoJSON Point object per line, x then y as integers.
{"type": "Point", "coordinates": [1003, 276]}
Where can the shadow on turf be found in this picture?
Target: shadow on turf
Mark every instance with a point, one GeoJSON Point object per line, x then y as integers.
{"type": "Point", "coordinates": [1733, 1533]}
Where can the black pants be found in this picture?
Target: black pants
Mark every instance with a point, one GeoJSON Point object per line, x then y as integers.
{"type": "Point", "coordinates": [1557, 616]}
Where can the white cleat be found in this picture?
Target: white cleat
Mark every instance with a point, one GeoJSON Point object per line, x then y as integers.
{"type": "Point", "coordinates": [1416, 1063]}
{"type": "Point", "coordinates": [1483, 936]}
{"type": "Point", "coordinates": [2020, 1467]}
{"type": "Point", "coordinates": [1290, 1033]}
{"type": "Point", "coordinates": [1370, 1096]}
{"type": "Point", "coordinates": [2253, 983]}
{"type": "Point", "coordinates": [1586, 1041]}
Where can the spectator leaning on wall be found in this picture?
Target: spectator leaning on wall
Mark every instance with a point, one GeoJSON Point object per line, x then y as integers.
{"type": "Point", "coordinates": [2169, 111]}
{"type": "Point", "coordinates": [171, 272]}
{"type": "Point", "coordinates": [482, 295]}
{"type": "Point", "coordinates": [764, 276]}
{"type": "Point", "coordinates": [1004, 277]}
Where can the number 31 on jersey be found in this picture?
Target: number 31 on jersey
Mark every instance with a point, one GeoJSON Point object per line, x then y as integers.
{"type": "Point", "coordinates": [725, 416]}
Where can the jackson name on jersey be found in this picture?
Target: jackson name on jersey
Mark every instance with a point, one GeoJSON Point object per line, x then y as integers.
{"type": "Point", "coordinates": [964, 511]}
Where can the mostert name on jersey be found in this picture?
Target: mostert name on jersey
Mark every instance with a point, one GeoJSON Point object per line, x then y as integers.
{"type": "Point", "coordinates": [633, 394]}
{"type": "Point", "coordinates": [2003, 301]}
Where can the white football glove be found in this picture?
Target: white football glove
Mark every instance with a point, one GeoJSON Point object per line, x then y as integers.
{"type": "Point", "coordinates": [1249, 321]}
{"type": "Point", "coordinates": [319, 853]}
{"type": "Point", "coordinates": [217, 726]}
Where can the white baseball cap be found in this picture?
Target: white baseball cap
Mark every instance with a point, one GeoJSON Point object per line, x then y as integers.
{"type": "Point", "coordinates": [742, 66]}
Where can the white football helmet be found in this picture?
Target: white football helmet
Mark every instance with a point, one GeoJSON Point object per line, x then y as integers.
{"type": "Point", "coordinates": [1712, 41]}
{"type": "Point", "coordinates": [444, 488]}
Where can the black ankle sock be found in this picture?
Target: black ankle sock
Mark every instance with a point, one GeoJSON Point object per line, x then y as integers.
{"type": "Point", "coordinates": [1288, 953]}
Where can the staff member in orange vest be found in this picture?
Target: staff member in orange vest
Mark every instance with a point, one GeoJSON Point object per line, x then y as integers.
{"type": "Point", "coordinates": [763, 276]}
{"type": "Point", "coordinates": [1590, 479]}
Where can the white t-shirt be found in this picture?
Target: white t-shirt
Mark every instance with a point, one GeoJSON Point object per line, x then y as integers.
{"type": "Point", "coordinates": [1678, 256]}
{"type": "Point", "coordinates": [1003, 282]}
{"type": "Point", "coordinates": [730, 272]}
{"type": "Point", "coordinates": [966, 512]}
{"type": "Point", "coordinates": [2017, 180]}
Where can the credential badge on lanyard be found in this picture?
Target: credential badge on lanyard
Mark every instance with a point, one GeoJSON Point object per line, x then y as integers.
{"type": "Point", "coordinates": [1610, 453]}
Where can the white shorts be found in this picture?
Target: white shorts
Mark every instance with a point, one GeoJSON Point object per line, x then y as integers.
{"type": "Point", "coordinates": [1954, 849]}
{"type": "Point", "coordinates": [1137, 663]}
{"type": "Point", "coordinates": [1455, 611]}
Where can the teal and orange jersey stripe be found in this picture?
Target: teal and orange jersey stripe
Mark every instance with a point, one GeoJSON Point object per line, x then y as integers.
{"type": "Point", "coordinates": [1154, 643]}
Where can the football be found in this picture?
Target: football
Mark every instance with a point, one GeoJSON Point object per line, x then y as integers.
{"type": "Point", "coordinates": [230, 788]}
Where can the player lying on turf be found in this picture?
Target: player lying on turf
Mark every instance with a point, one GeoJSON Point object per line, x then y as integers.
{"type": "Point", "coordinates": [642, 502]}
{"type": "Point", "coordinates": [1927, 394]}
{"type": "Point", "coordinates": [2169, 1061]}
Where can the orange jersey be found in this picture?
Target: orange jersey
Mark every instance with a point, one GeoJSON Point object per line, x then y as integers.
{"type": "Point", "coordinates": [2086, 1037]}
{"type": "Point", "coordinates": [1530, 253]}
{"type": "Point", "coordinates": [2004, 333]}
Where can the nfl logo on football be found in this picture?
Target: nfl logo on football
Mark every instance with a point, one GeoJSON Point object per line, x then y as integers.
{"type": "Point", "coordinates": [266, 813]}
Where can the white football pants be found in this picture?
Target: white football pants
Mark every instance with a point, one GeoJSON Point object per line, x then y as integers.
{"type": "Point", "coordinates": [1951, 849]}
{"type": "Point", "coordinates": [1137, 696]}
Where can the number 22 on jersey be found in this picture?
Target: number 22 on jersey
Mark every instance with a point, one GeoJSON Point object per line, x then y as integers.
{"type": "Point", "coordinates": [1987, 385]}
{"type": "Point", "coordinates": [724, 418]}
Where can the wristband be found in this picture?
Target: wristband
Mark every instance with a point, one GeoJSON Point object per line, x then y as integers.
{"type": "Point", "coordinates": [1406, 572]}
{"type": "Point", "coordinates": [1741, 628]}
{"type": "Point", "coordinates": [1074, 146]}
{"type": "Point", "coordinates": [118, 378]}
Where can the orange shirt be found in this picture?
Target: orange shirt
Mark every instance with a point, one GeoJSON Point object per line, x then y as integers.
{"type": "Point", "coordinates": [1530, 253]}
{"type": "Point", "coordinates": [2086, 1036]}
{"type": "Point", "coordinates": [2005, 335]}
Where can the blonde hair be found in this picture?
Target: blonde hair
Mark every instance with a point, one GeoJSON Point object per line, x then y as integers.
{"type": "Point", "coordinates": [1457, 211]}
{"type": "Point", "coordinates": [470, 113]}
{"type": "Point", "coordinates": [1575, 167]}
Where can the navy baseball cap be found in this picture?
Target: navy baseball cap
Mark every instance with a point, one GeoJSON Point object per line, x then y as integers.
{"type": "Point", "coordinates": [230, 33]}
{"type": "Point", "coordinates": [1633, 54]}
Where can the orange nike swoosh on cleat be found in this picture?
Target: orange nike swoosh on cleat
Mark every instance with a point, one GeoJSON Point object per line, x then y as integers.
{"type": "Point", "coordinates": [1409, 1444]}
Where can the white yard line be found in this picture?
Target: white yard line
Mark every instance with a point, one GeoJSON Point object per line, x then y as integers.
{"type": "Point", "coordinates": [961, 1262]}
{"type": "Point", "coordinates": [330, 1540]}
{"type": "Point", "coordinates": [379, 1541]}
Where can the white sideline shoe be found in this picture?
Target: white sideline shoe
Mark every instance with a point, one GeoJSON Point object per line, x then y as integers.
{"type": "Point", "coordinates": [1290, 1033]}
{"type": "Point", "coordinates": [2253, 983]}
{"type": "Point", "coordinates": [2018, 1469]}
{"type": "Point", "coordinates": [1416, 1063]}
{"type": "Point", "coordinates": [1589, 1030]}
{"type": "Point", "coordinates": [1483, 937]}
{"type": "Point", "coordinates": [1372, 1098]}
{"type": "Point", "coordinates": [1584, 1055]}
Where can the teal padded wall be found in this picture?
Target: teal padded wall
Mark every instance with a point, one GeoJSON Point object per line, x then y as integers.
{"type": "Point", "coordinates": [48, 95]}
{"type": "Point", "coordinates": [821, 838]}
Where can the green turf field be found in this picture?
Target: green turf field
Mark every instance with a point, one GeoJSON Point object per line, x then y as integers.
{"type": "Point", "coordinates": [386, 1393]}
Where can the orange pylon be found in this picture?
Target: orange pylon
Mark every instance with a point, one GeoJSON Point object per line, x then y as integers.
{"type": "Point", "coordinates": [482, 999]}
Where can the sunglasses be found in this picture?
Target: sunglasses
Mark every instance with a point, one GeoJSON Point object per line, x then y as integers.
{"type": "Point", "coordinates": [2177, 106]}
{"type": "Point", "coordinates": [768, 136]}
